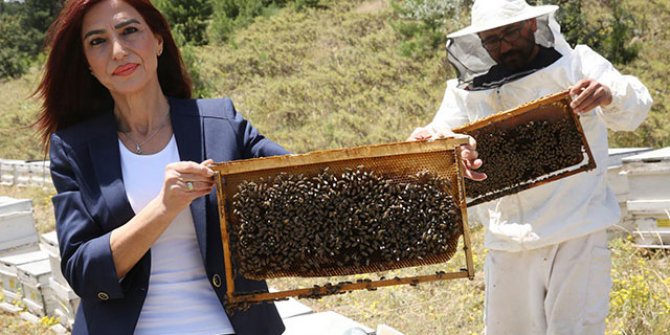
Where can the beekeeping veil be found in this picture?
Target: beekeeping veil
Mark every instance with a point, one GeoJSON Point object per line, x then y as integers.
{"type": "Point", "coordinates": [470, 58]}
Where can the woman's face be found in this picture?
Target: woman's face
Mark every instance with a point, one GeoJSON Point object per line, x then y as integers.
{"type": "Point", "coordinates": [121, 49]}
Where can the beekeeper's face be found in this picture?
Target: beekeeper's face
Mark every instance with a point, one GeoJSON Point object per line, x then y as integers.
{"type": "Point", "coordinates": [513, 45]}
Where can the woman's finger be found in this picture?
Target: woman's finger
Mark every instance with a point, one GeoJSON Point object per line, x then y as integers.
{"type": "Point", "coordinates": [195, 186]}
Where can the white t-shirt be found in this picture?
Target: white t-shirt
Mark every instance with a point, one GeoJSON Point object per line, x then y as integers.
{"type": "Point", "coordinates": [180, 299]}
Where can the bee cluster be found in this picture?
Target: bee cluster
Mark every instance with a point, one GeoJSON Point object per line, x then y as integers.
{"type": "Point", "coordinates": [337, 223]}
{"type": "Point", "coordinates": [522, 154]}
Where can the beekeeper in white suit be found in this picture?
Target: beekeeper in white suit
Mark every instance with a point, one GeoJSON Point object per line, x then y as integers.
{"type": "Point", "coordinates": [548, 266]}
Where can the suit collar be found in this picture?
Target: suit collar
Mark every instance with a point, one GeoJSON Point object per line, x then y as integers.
{"type": "Point", "coordinates": [103, 150]}
{"type": "Point", "coordinates": [188, 128]}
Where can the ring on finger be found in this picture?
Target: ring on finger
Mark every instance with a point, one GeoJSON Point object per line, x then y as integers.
{"type": "Point", "coordinates": [189, 186]}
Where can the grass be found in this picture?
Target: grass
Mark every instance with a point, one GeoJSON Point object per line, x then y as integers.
{"type": "Point", "coordinates": [639, 301]}
{"type": "Point", "coordinates": [333, 77]}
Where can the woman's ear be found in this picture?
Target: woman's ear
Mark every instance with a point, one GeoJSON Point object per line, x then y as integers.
{"type": "Point", "coordinates": [159, 49]}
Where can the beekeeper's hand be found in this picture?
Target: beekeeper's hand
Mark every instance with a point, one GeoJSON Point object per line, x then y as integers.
{"type": "Point", "coordinates": [589, 94]}
{"type": "Point", "coordinates": [469, 155]}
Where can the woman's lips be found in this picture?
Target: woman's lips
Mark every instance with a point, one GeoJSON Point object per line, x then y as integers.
{"type": "Point", "coordinates": [125, 70]}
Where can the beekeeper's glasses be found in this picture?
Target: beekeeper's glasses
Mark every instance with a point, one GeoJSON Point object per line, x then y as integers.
{"type": "Point", "coordinates": [509, 35]}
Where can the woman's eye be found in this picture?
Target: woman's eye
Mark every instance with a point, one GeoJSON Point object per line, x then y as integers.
{"type": "Point", "coordinates": [129, 30]}
{"type": "Point", "coordinates": [96, 41]}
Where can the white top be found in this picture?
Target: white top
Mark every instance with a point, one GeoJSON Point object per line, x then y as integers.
{"type": "Point", "coordinates": [570, 207]}
{"type": "Point", "coordinates": [180, 299]}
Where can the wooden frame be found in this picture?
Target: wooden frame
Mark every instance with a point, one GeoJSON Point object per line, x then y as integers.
{"type": "Point", "coordinates": [533, 111]}
{"type": "Point", "coordinates": [450, 146]}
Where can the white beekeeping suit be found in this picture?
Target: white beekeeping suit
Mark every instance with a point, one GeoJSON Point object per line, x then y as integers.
{"type": "Point", "coordinates": [564, 209]}
{"type": "Point", "coordinates": [547, 269]}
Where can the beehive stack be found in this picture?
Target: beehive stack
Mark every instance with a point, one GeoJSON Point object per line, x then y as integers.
{"type": "Point", "coordinates": [66, 301]}
{"type": "Point", "coordinates": [9, 276]}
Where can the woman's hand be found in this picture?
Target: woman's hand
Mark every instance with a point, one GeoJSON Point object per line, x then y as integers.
{"type": "Point", "coordinates": [185, 182]}
{"type": "Point", "coordinates": [469, 155]}
{"type": "Point", "coordinates": [589, 94]}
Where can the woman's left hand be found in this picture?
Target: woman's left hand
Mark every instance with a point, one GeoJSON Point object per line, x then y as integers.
{"type": "Point", "coordinates": [589, 94]}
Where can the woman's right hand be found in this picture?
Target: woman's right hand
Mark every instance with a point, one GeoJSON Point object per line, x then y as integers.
{"type": "Point", "coordinates": [185, 182]}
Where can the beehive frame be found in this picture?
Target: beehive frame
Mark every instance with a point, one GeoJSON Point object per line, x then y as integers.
{"type": "Point", "coordinates": [551, 108]}
{"type": "Point", "coordinates": [224, 172]}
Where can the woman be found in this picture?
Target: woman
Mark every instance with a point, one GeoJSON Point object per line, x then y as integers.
{"type": "Point", "coordinates": [136, 214]}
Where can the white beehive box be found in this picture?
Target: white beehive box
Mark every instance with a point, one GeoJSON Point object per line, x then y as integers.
{"type": "Point", "coordinates": [22, 174]}
{"type": "Point", "coordinates": [9, 271]}
{"type": "Point", "coordinates": [39, 173]}
{"type": "Point", "coordinates": [66, 303]}
{"type": "Point", "coordinates": [649, 196]}
{"type": "Point", "coordinates": [8, 171]}
{"type": "Point", "coordinates": [17, 227]}
{"type": "Point", "coordinates": [49, 243]}
{"type": "Point", "coordinates": [618, 183]}
{"type": "Point", "coordinates": [37, 295]}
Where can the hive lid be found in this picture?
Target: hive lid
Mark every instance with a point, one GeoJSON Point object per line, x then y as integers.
{"type": "Point", "coordinates": [617, 154]}
{"type": "Point", "coordinates": [50, 238]}
{"type": "Point", "coordinates": [28, 257]}
{"type": "Point", "coordinates": [653, 156]}
{"type": "Point", "coordinates": [14, 203]}
{"type": "Point", "coordinates": [36, 268]}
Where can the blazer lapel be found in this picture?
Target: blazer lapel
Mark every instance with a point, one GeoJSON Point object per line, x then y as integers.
{"type": "Point", "coordinates": [106, 160]}
{"type": "Point", "coordinates": [187, 126]}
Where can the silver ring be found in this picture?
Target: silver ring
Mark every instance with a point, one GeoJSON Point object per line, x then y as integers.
{"type": "Point", "coordinates": [189, 186]}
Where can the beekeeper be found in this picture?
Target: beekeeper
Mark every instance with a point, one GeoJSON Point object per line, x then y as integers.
{"type": "Point", "coordinates": [548, 266]}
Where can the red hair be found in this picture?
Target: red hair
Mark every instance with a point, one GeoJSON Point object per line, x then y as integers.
{"type": "Point", "coordinates": [70, 93]}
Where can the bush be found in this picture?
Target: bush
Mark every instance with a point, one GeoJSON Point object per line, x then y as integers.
{"type": "Point", "coordinates": [423, 24]}
{"type": "Point", "coordinates": [189, 18]}
{"type": "Point", "coordinates": [229, 15]}
{"type": "Point", "coordinates": [14, 58]}
{"type": "Point", "coordinates": [612, 34]}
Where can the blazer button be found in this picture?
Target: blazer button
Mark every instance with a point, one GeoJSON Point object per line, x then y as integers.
{"type": "Point", "coordinates": [103, 296]}
{"type": "Point", "coordinates": [216, 280]}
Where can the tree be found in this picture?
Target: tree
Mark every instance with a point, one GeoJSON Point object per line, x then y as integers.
{"type": "Point", "coordinates": [36, 17]}
{"type": "Point", "coordinates": [189, 18]}
{"type": "Point", "coordinates": [612, 35]}
{"type": "Point", "coordinates": [14, 60]}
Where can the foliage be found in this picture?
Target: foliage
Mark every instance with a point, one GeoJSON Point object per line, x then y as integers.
{"type": "Point", "coordinates": [612, 33]}
{"type": "Point", "coordinates": [229, 15]}
{"type": "Point", "coordinates": [36, 19]}
{"type": "Point", "coordinates": [193, 64]}
{"type": "Point", "coordinates": [13, 60]}
{"type": "Point", "coordinates": [189, 18]}
{"type": "Point", "coordinates": [423, 24]}
{"type": "Point", "coordinates": [640, 295]}
{"type": "Point", "coordinates": [23, 28]}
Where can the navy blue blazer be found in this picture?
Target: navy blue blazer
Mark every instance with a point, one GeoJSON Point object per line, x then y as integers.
{"type": "Point", "coordinates": [91, 202]}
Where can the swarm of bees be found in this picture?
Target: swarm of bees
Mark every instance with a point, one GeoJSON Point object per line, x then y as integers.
{"type": "Point", "coordinates": [523, 154]}
{"type": "Point", "coordinates": [343, 223]}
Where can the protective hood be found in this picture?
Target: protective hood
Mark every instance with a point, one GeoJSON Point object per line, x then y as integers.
{"type": "Point", "coordinates": [471, 60]}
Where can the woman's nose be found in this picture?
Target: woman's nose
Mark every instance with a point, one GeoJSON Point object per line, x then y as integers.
{"type": "Point", "coordinates": [118, 49]}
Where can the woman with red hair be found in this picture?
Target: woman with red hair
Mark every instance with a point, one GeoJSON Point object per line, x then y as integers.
{"type": "Point", "coordinates": [136, 215]}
